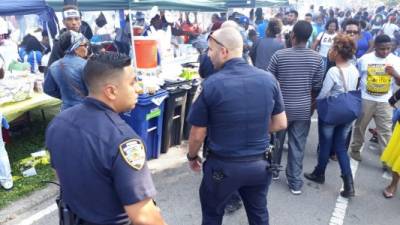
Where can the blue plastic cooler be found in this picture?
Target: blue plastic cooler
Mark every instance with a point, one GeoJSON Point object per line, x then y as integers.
{"type": "Point", "coordinates": [147, 121]}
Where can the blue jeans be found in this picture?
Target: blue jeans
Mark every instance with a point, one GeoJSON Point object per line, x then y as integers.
{"type": "Point", "coordinates": [333, 137]}
{"type": "Point", "coordinates": [396, 116]}
{"type": "Point", "coordinates": [297, 137]}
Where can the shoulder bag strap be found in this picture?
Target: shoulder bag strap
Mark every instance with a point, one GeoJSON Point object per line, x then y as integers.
{"type": "Point", "coordinates": [343, 79]}
{"type": "Point", "coordinates": [320, 40]}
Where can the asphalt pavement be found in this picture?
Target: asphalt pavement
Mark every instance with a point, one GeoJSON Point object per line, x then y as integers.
{"type": "Point", "coordinates": [178, 195]}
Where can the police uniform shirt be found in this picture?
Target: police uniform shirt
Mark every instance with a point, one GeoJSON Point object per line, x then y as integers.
{"type": "Point", "coordinates": [100, 162]}
{"type": "Point", "coordinates": [236, 105]}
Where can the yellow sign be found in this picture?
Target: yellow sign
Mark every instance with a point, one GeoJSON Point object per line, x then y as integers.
{"type": "Point", "coordinates": [378, 81]}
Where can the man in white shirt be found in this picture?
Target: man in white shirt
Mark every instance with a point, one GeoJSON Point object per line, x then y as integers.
{"type": "Point", "coordinates": [379, 73]}
{"type": "Point", "coordinates": [390, 28]}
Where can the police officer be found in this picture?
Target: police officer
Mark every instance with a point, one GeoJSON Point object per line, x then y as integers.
{"type": "Point", "coordinates": [237, 108]}
{"type": "Point", "coordinates": [100, 161]}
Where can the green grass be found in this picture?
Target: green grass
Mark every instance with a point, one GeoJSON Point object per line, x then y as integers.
{"type": "Point", "coordinates": [29, 139]}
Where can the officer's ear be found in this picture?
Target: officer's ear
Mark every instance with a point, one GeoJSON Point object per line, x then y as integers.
{"type": "Point", "coordinates": [110, 91]}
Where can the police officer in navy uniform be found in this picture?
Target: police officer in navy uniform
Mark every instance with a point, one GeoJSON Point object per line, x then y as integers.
{"type": "Point", "coordinates": [99, 160]}
{"type": "Point", "coordinates": [238, 107]}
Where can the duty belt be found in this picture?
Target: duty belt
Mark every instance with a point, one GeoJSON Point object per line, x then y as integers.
{"type": "Point", "coordinates": [211, 154]}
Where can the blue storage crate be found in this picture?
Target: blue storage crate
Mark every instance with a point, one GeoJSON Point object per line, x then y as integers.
{"type": "Point", "coordinates": [146, 119]}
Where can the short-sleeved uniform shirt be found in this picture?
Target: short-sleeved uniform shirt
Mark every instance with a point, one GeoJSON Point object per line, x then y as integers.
{"type": "Point", "coordinates": [100, 162]}
{"type": "Point", "coordinates": [236, 105]}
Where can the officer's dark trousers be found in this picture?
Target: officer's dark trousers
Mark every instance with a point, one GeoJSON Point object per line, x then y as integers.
{"type": "Point", "coordinates": [222, 178]}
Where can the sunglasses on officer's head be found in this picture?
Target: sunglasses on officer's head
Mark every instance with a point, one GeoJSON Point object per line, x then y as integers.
{"type": "Point", "coordinates": [215, 40]}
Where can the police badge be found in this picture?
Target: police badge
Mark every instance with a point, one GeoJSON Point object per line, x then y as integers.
{"type": "Point", "coordinates": [134, 153]}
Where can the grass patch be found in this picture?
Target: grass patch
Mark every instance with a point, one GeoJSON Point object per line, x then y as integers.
{"type": "Point", "coordinates": [29, 139]}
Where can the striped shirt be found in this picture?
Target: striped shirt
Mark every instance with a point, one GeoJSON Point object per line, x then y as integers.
{"type": "Point", "coordinates": [300, 72]}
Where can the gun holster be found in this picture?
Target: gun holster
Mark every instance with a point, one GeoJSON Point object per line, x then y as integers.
{"type": "Point", "coordinates": [66, 216]}
{"type": "Point", "coordinates": [269, 152]}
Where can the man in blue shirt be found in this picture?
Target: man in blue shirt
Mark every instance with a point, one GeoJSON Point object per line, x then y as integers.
{"type": "Point", "coordinates": [99, 160]}
{"type": "Point", "coordinates": [237, 108]}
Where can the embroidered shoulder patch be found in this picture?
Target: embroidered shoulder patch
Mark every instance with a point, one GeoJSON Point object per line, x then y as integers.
{"type": "Point", "coordinates": [134, 153]}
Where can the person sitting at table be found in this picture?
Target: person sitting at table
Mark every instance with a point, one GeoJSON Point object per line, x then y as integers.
{"type": "Point", "coordinates": [64, 79]}
{"type": "Point", "coordinates": [31, 51]}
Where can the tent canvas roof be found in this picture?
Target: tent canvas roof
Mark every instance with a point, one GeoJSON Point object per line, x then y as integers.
{"type": "Point", "coordinates": [179, 5]}
{"type": "Point", "coordinates": [21, 7]}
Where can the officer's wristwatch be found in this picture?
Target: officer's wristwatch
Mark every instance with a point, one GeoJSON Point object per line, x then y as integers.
{"type": "Point", "coordinates": [191, 158]}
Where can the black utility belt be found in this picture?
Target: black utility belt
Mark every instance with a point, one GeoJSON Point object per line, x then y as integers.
{"type": "Point", "coordinates": [213, 155]}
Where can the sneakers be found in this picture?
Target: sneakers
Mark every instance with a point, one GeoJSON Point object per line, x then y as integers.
{"type": "Point", "coordinates": [356, 156]}
{"type": "Point", "coordinates": [295, 192]}
{"type": "Point", "coordinates": [275, 175]}
{"type": "Point", "coordinates": [292, 190]}
{"type": "Point", "coordinates": [374, 139]}
{"type": "Point", "coordinates": [8, 185]}
{"type": "Point", "coordinates": [233, 206]}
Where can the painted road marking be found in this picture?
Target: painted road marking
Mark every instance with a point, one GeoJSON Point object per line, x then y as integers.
{"type": "Point", "coordinates": [37, 216]}
{"type": "Point", "coordinates": [339, 212]}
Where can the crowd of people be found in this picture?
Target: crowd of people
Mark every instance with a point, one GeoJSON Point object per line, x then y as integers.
{"type": "Point", "coordinates": [263, 81]}
{"type": "Point", "coordinates": [331, 54]}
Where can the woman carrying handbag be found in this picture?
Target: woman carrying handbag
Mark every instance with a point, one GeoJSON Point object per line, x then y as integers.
{"type": "Point", "coordinates": [335, 112]}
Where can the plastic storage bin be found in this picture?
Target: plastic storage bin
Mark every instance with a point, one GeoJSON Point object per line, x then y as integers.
{"type": "Point", "coordinates": [147, 121]}
{"type": "Point", "coordinates": [174, 113]}
{"type": "Point", "coordinates": [189, 101]}
{"type": "Point", "coordinates": [145, 52]}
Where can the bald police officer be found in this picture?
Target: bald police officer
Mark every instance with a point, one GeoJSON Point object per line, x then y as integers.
{"type": "Point", "coordinates": [237, 108]}
{"type": "Point", "coordinates": [100, 161]}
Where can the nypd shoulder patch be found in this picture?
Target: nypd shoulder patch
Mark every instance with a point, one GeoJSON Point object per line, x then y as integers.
{"type": "Point", "coordinates": [133, 152]}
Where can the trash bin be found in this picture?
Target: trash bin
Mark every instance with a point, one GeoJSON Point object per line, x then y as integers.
{"type": "Point", "coordinates": [146, 119]}
{"type": "Point", "coordinates": [174, 113]}
{"type": "Point", "coordinates": [189, 101]}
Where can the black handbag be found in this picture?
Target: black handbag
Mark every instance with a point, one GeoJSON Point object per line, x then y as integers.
{"type": "Point", "coordinates": [101, 20]}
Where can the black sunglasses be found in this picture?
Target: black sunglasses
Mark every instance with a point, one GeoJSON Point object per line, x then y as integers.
{"type": "Point", "coordinates": [215, 40]}
{"type": "Point", "coordinates": [352, 32]}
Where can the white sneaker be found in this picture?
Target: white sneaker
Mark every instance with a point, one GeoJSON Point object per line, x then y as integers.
{"type": "Point", "coordinates": [7, 184]}
{"type": "Point", "coordinates": [296, 192]}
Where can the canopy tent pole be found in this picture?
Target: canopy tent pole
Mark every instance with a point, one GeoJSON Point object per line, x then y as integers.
{"type": "Point", "coordinates": [133, 60]}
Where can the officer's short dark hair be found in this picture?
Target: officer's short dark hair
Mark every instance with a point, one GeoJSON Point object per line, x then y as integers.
{"type": "Point", "coordinates": [308, 15]}
{"type": "Point", "coordinates": [302, 31]}
{"type": "Point", "coordinates": [102, 66]}
{"type": "Point", "coordinates": [381, 39]}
